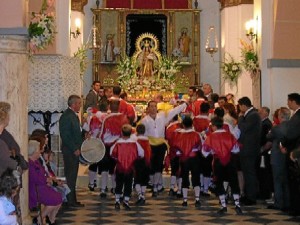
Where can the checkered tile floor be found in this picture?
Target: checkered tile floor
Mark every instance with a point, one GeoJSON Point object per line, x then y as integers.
{"type": "Point", "coordinates": [166, 210]}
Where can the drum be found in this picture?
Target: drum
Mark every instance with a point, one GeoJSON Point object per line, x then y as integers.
{"type": "Point", "coordinates": [92, 151]}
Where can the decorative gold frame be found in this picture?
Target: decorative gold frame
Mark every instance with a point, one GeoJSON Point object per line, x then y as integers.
{"type": "Point", "coordinates": [191, 70]}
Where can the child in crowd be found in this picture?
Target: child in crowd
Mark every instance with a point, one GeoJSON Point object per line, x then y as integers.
{"type": "Point", "coordinates": [221, 144]}
{"type": "Point", "coordinates": [142, 165]}
{"type": "Point", "coordinates": [125, 151]}
{"type": "Point", "coordinates": [8, 189]}
{"type": "Point", "coordinates": [57, 184]}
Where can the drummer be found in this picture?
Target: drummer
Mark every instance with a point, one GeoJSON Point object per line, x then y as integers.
{"type": "Point", "coordinates": [94, 128]}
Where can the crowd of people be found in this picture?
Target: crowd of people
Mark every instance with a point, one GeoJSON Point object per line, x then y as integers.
{"type": "Point", "coordinates": [207, 141]}
{"type": "Point", "coordinates": [226, 147]}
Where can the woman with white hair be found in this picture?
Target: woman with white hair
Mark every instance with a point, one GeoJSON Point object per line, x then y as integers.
{"type": "Point", "coordinates": [5, 154]}
{"type": "Point", "coordinates": [40, 191]}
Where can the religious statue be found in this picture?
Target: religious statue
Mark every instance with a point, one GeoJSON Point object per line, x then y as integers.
{"type": "Point", "coordinates": [109, 55]}
{"type": "Point", "coordinates": [184, 42]}
{"type": "Point", "coordinates": [147, 68]}
{"type": "Point", "coordinates": [147, 55]}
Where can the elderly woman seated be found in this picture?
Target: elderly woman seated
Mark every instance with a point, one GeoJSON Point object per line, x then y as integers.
{"type": "Point", "coordinates": [40, 190]}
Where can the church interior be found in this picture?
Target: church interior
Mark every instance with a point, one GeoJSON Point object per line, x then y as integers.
{"type": "Point", "coordinates": [240, 47]}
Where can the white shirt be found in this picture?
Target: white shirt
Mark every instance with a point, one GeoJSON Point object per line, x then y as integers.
{"type": "Point", "coordinates": [7, 219]}
{"type": "Point", "coordinates": [156, 127]}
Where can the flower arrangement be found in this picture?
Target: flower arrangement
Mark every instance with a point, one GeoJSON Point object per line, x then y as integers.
{"type": "Point", "coordinates": [167, 71]}
{"type": "Point", "coordinates": [132, 82]}
{"type": "Point", "coordinates": [249, 58]}
{"type": "Point", "coordinates": [81, 54]}
{"type": "Point", "coordinates": [128, 79]}
{"type": "Point", "coordinates": [41, 29]}
{"type": "Point", "coordinates": [231, 69]}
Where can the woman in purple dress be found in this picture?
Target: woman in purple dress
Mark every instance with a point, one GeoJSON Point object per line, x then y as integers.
{"type": "Point", "coordinates": [40, 191]}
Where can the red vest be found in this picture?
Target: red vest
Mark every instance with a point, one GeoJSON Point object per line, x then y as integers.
{"type": "Point", "coordinates": [125, 154]}
{"type": "Point", "coordinates": [200, 124]}
{"type": "Point", "coordinates": [170, 137]}
{"type": "Point", "coordinates": [221, 143]}
{"type": "Point", "coordinates": [147, 150]}
{"type": "Point", "coordinates": [185, 142]}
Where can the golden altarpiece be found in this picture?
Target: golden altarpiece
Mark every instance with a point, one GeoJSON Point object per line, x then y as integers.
{"type": "Point", "coordinates": [132, 32]}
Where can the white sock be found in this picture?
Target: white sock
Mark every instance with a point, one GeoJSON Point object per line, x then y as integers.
{"type": "Point", "coordinates": [92, 176]}
{"type": "Point", "coordinates": [225, 185]}
{"type": "Point", "coordinates": [197, 192]}
{"type": "Point", "coordinates": [118, 197]}
{"type": "Point", "coordinates": [143, 191]}
{"type": "Point", "coordinates": [222, 200]}
{"type": "Point", "coordinates": [184, 193]}
{"type": "Point", "coordinates": [151, 179]}
{"type": "Point", "coordinates": [236, 198]}
{"type": "Point", "coordinates": [126, 198]}
{"type": "Point", "coordinates": [138, 189]}
{"type": "Point", "coordinates": [156, 180]}
{"type": "Point", "coordinates": [104, 179]}
{"type": "Point", "coordinates": [160, 181]}
{"type": "Point", "coordinates": [201, 182]}
{"type": "Point", "coordinates": [173, 182]}
{"type": "Point", "coordinates": [179, 185]}
{"type": "Point", "coordinates": [206, 184]}
{"type": "Point", "coordinates": [113, 181]}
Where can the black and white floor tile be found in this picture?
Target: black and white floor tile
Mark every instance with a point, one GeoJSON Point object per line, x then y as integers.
{"type": "Point", "coordinates": [166, 210]}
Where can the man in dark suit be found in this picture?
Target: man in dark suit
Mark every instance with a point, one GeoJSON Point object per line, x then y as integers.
{"type": "Point", "coordinates": [92, 99]}
{"type": "Point", "coordinates": [264, 170]}
{"type": "Point", "coordinates": [71, 135]}
{"type": "Point", "coordinates": [291, 142]}
{"type": "Point", "coordinates": [249, 123]}
{"type": "Point", "coordinates": [278, 162]}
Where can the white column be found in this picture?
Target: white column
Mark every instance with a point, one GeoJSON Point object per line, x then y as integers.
{"type": "Point", "coordinates": [233, 21]}
{"type": "Point", "coordinates": [14, 90]}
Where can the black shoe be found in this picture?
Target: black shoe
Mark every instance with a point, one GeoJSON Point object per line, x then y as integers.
{"type": "Point", "coordinates": [249, 202]}
{"type": "Point", "coordinates": [149, 186]}
{"type": "Point", "coordinates": [222, 211]}
{"type": "Point", "coordinates": [95, 183]}
{"type": "Point", "coordinates": [197, 204]}
{"type": "Point", "coordinates": [172, 192]}
{"type": "Point", "coordinates": [126, 206]}
{"type": "Point", "coordinates": [117, 206]}
{"type": "Point", "coordinates": [161, 190]}
{"type": "Point", "coordinates": [103, 195]}
{"type": "Point", "coordinates": [112, 191]}
{"type": "Point", "coordinates": [238, 210]}
{"type": "Point", "coordinates": [76, 205]}
{"type": "Point", "coordinates": [184, 203]}
{"type": "Point", "coordinates": [91, 187]}
{"type": "Point", "coordinates": [273, 207]}
{"type": "Point", "coordinates": [141, 201]}
{"type": "Point", "coordinates": [205, 194]}
{"type": "Point", "coordinates": [154, 194]}
{"type": "Point", "coordinates": [179, 195]}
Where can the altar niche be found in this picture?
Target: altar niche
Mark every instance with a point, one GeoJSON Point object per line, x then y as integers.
{"type": "Point", "coordinates": [137, 25]}
{"type": "Point", "coordinates": [177, 32]}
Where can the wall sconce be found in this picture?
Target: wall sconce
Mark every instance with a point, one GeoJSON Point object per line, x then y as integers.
{"type": "Point", "coordinates": [251, 30]}
{"type": "Point", "coordinates": [211, 45]}
{"type": "Point", "coordinates": [77, 31]}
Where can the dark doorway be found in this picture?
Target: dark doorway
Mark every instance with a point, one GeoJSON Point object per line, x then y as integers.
{"type": "Point", "coordinates": [146, 23]}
